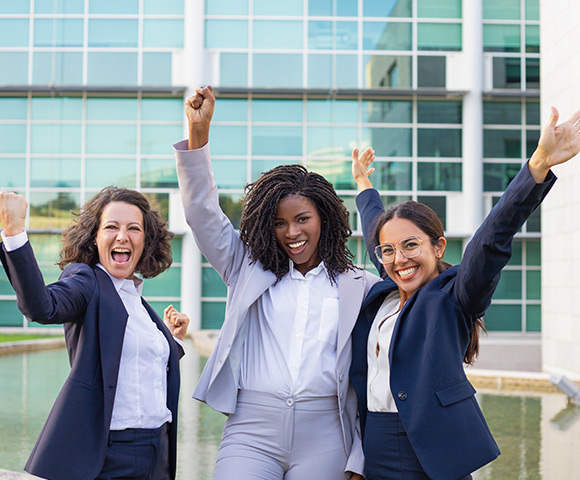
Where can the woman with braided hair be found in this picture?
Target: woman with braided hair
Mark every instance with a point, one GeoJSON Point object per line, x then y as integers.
{"type": "Point", "coordinates": [279, 370]}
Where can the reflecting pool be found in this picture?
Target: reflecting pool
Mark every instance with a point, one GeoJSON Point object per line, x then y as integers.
{"type": "Point", "coordinates": [538, 434]}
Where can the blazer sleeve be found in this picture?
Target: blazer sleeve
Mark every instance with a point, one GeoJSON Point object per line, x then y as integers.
{"type": "Point", "coordinates": [63, 301]}
{"type": "Point", "coordinates": [370, 207]}
{"type": "Point", "coordinates": [213, 232]}
{"type": "Point", "coordinates": [490, 249]}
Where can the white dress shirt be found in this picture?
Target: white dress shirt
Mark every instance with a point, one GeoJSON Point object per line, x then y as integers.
{"type": "Point", "coordinates": [290, 349]}
{"type": "Point", "coordinates": [379, 395]}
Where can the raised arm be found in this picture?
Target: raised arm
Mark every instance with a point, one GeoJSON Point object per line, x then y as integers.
{"type": "Point", "coordinates": [12, 213]}
{"type": "Point", "coordinates": [199, 110]}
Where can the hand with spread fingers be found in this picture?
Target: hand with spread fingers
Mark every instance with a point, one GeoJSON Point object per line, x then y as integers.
{"type": "Point", "coordinates": [360, 168]}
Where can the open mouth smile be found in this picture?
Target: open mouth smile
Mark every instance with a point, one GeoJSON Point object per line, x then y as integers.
{"type": "Point", "coordinates": [407, 273]}
{"type": "Point", "coordinates": [121, 255]}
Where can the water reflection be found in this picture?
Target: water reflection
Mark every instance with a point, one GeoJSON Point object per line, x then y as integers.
{"type": "Point", "coordinates": [538, 434]}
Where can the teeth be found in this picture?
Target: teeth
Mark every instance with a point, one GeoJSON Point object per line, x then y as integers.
{"type": "Point", "coordinates": [297, 245]}
{"type": "Point", "coordinates": [121, 250]}
{"type": "Point", "coordinates": [407, 272]}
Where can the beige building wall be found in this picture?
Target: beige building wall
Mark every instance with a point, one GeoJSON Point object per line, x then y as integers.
{"type": "Point", "coordinates": [560, 86]}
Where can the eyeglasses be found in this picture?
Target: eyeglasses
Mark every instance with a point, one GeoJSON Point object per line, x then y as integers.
{"type": "Point", "coordinates": [409, 248]}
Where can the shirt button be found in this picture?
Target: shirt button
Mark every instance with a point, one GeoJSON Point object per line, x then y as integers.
{"type": "Point", "coordinates": [289, 402]}
{"type": "Point", "coordinates": [402, 395]}
{"type": "Point", "coordinates": [341, 378]}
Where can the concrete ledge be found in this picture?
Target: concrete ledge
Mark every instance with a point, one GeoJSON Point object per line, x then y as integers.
{"type": "Point", "coordinates": [8, 475]}
{"type": "Point", "coordinates": [204, 341]}
{"type": "Point", "coordinates": [31, 345]}
{"type": "Point", "coordinates": [506, 380]}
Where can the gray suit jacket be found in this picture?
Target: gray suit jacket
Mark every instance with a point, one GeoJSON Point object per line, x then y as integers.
{"type": "Point", "coordinates": [246, 282]}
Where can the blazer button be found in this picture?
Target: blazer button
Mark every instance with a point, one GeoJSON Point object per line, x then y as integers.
{"type": "Point", "coordinates": [402, 395]}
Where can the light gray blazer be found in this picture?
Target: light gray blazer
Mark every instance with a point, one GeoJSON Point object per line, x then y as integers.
{"type": "Point", "coordinates": [246, 282]}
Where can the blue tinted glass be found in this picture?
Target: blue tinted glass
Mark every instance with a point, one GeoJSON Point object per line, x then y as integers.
{"type": "Point", "coordinates": [13, 108]}
{"type": "Point", "coordinates": [438, 142]}
{"type": "Point", "coordinates": [341, 8]}
{"type": "Point", "coordinates": [228, 140]}
{"type": "Point", "coordinates": [277, 34]}
{"type": "Point", "coordinates": [233, 69]}
{"type": "Point", "coordinates": [439, 9]}
{"type": "Point", "coordinates": [277, 140]}
{"type": "Point", "coordinates": [100, 172]}
{"type": "Point", "coordinates": [277, 7]}
{"type": "Point", "coordinates": [439, 112]}
{"type": "Point", "coordinates": [260, 166]}
{"type": "Point", "coordinates": [320, 72]}
{"type": "Point", "coordinates": [502, 113]}
{"type": "Point", "coordinates": [332, 111]}
{"type": "Point", "coordinates": [113, 33]}
{"type": "Point", "coordinates": [12, 138]}
{"type": "Point", "coordinates": [501, 38]}
{"type": "Point", "coordinates": [336, 172]}
{"type": "Point", "coordinates": [229, 173]}
{"type": "Point", "coordinates": [387, 8]}
{"type": "Point", "coordinates": [167, 7]}
{"type": "Point", "coordinates": [532, 113]}
{"type": "Point", "coordinates": [15, 6]}
{"type": "Point", "coordinates": [58, 32]}
{"type": "Point", "coordinates": [13, 32]}
{"type": "Point", "coordinates": [50, 108]}
{"type": "Point", "coordinates": [386, 36]}
{"type": "Point", "coordinates": [501, 9]}
{"type": "Point", "coordinates": [55, 138]}
{"type": "Point", "coordinates": [388, 142]}
{"type": "Point", "coordinates": [112, 69]}
{"type": "Point", "coordinates": [158, 172]}
{"type": "Point", "coordinates": [162, 109]}
{"type": "Point", "coordinates": [163, 33]}
{"type": "Point", "coordinates": [226, 34]}
{"type": "Point", "coordinates": [346, 37]}
{"type": "Point", "coordinates": [392, 175]}
{"type": "Point", "coordinates": [439, 36]}
{"type": "Point", "coordinates": [114, 139]}
{"type": "Point", "coordinates": [55, 172]}
{"type": "Point", "coordinates": [57, 68]}
{"type": "Point", "coordinates": [331, 141]}
{"type": "Point", "coordinates": [502, 143]}
{"type": "Point", "coordinates": [277, 110]}
{"type": "Point", "coordinates": [391, 71]}
{"type": "Point", "coordinates": [59, 6]}
{"type": "Point", "coordinates": [17, 74]}
{"type": "Point", "coordinates": [157, 68]}
{"type": "Point", "coordinates": [13, 172]}
{"type": "Point", "coordinates": [231, 110]}
{"type": "Point", "coordinates": [277, 70]}
{"type": "Point", "coordinates": [332, 35]}
{"type": "Point", "coordinates": [114, 6]}
{"type": "Point", "coordinates": [112, 109]}
{"type": "Point", "coordinates": [226, 7]}
{"type": "Point", "coordinates": [157, 139]}
{"type": "Point", "coordinates": [439, 176]}
{"type": "Point", "coordinates": [346, 71]}
{"type": "Point", "coordinates": [387, 111]}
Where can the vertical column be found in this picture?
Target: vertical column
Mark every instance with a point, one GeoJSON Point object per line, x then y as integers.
{"type": "Point", "coordinates": [473, 115]}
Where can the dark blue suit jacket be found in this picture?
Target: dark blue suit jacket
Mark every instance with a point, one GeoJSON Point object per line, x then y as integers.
{"type": "Point", "coordinates": [435, 400]}
{"type": "Point", "coordinates": [73, 442]}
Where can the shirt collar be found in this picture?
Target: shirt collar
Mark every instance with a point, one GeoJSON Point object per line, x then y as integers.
{"type": "Point", "coordinates": [294, 273]}
{"type": "Point", "coordinates": [132, 285]}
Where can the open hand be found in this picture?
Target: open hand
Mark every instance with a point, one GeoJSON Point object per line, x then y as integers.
{"type": "Point", "coordinates": [360, 167]}
{"type": "Point", "coordinates": [176, 322]}
{"type": "Point", "coordinates": [12, 213]}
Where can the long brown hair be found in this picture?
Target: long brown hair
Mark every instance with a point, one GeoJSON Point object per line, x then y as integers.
{"type": "Point", "coordinates": [427, 221]}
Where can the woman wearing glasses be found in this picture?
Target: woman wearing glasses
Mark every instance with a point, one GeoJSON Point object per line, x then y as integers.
{"type": "Point", "coordinates": [419, 416]}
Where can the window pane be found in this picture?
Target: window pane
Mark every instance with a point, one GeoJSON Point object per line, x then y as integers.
{"type": "Point", "coordinates": [532, 138]}
{"type": "Point", "coordinates": [516, 259]}
{"type": "Point", "coordinates": [234, 69]}
{"type": "Point", "coordinates": [331, 141]}
{"type": "Point", "coordinates": [159, 202]}
{"type": "Point", "coordinates": [13, 32]}
{"type": "Point", "coordinates": [501, 38]}
{"type": "Point", "coordinates": [277, 7]}
{"type": "Point", "coordinates": [10, 316]}
{"type": "Point", "coordinates": [533, 113]}
{"type": "Point", "coordinates": [453, 251]}
{"type": "Point", "coordinates": [326, 71]}
{"type": "Point", "coordinates": [46, 247]}
{"type": "Point", "coordinates": [497, 176]}
{"type": "Point", "coordinates": [226, 34]}
{"type": "Point", "coordinates": [388, 142]}
{"type": "Point", "coordinates": [58, 6]}
{"type": "Point", "coordinates": [13, 108]}
{"type": "Point", "coordinates": [392, 176]}
{"type": "Point", "coordinates": [439, 176]}
{"type": "Point", "coordinates": [502, 113]}
{"type": "Point", "coordinates": [163, 109]}
{"type": "Point", "coordinates": [226, 7]}
{"type": "Point", "coordinates": [113, 139]}
{"type": "Point", "coordinates": [532, 9]}
{"type": "Point", "coordinates": [231, 205]}
{"type": "Point", "coordinates": [55, 138]}
{"type": "Point", "coordinates": [176, 248]}
{"type": "Point", "coordinates": [17, 6]}
{"type": "Point", "coordinates": [57, 68]}
{"type": "Point", "coordinates": [114, 6]}
{"type": "Point", "coordinates": [346, 71]}
{"type": "Point", "coordinates": [439, 112]}
{"type": "Point", "coordinates": [163, 33]}
{"type": "Point", "coordinates": [260, 166]}
{"type": "Point", "coordinates": [438, 142]}
{"type": "Point", "coordinates": [167, 7]}
{"type": "Point", "coordinates": [387, 8]}
{"type": "Point", "coordinates": [58, 32]}
{"type": "Point", "coordinates": [113, 33]}
{"type": "Point", "coordinates": [431, 72]}
{"type": "Point", "coordinates": [212, 284]}
{"type": "Point", "coordinates": [13, 172]}
{"type": "Point", "coordinates": [332, 111]}
{"type": "Point", "coordinates": [390, 71]}
{"type": "Point", "coordinates": [533, 253]}
{"type": "Point", "coordinates": [501, 9]}
{"type": "Point", "coordinates": [533, 285]}
{"type": "Point", "coordinates": [275, 34]}
{"type": "Point", "coordinates": [118, 109]}
{"type": "Point", "coordinates": [112, 69]}
{"type": "Point", "coordinates": [54, 108]}
{"type": "Point", "coordinates": [504, 318]}
{"type": "Point", "coordinates": [158, 172]}
{"type": "Point", "coordinates": [438, 204]}
{"type": "Point", "coordinates": [532, 38]}
{"type": "Point", "coordinates": [157, 139]}
{"type": "Point", "coordinates": [52, 210]}
{"type": "Point", "coordinates": [277, 70]}
{"type": "Point", "coordinates": [277, 140]}
{"type": "Point", "coordinates": [341, 8]}
{"type": "Point", "coordinates": [277, 110]}
{"type": "Point", "coordinates": [230, 110]}
{"type": "Point", "coordinates": [386, 36]}
{"type": "Point", "coordinates": [17, 74]}
{"type": "Point", "coordinates": [439, 9]}
{"type": "Point", "coordinates": [533, 318]}
{"type": "Point", "coordinates": [55, 172]}
{"type": "Point", "coordinates": [228, 140]}
{"type": "Point", "coordinates": [166, 284]}
{"type": "Point", "coordinates": [157, 68]}
{"type": "Point", "coordinates": [229, 173]}
{"type": "Point", "coordinates": [510, 285]}
{"type": "Point", "coordinates": [212, 314]}
{"type": "Point", "coordinates": [335, 171]}
{"type": "Point", "coordinates": [100, 172]}
{"type": "Point", "coordinates": [534, 222]}
{"type": "Point", "coordinates": [387, 111]}
{"type": "Point", "coordinates": [532, 73]}
{"type": "Point", "coordinates": [502, 143]}
{"type": "Point", "coordinates": [12, 138]}
{"type": "Point", "coordinates": [506, 72]}
{"type": "Point", "coordinates": [332, 35]}
{"type": "Point", "coordinates": [439, 36]}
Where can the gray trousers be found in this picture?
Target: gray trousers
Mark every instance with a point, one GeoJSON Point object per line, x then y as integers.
{"type": "Point", "coordinates": [275, 438]}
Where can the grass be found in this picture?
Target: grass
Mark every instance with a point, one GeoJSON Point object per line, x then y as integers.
{"type": "Point", "coordinates": [17, 337]}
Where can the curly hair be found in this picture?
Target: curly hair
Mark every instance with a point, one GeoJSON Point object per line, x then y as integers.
{"type": "Point", "coordinates": [78, 239]}
{"type": "Point", "coordinates": [260, 207]}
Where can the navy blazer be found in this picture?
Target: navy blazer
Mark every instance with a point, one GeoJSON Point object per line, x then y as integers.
{"type": "Point", "coordinates": [73, 442]}
{"type": "Point", "coordinates": [435, 400]}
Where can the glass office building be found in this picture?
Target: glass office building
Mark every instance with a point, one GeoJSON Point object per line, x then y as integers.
{"type": "Point", "coordinates": [446, 92]}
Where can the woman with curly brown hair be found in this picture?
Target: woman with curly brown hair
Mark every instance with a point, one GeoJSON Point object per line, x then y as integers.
{"type": "Point", "coordinates": [280, 367]}
{"type": "Point", "coordinates": [116, 414]}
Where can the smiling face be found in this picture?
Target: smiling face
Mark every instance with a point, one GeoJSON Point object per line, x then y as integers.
{"type": "Point", "coordinates": [410, 274]}
{"type": "Point", "coordinates": [120, 239]}
{"type": "Point", "coordinates": [297, 228]}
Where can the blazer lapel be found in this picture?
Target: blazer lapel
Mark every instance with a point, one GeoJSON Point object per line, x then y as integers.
{"type": "Point", "coordinates": [350, 295]}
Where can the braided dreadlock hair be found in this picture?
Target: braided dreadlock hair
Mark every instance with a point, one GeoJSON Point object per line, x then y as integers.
{"type": "Point", "coordinates": [260, 207]}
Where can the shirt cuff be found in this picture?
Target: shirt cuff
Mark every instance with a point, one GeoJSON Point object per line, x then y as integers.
{"type": "Point", "coordinates": [14, 242]}
{"type": "Point", "coordinates": [182, 146]}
